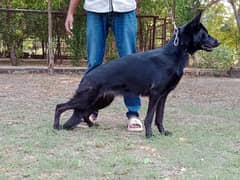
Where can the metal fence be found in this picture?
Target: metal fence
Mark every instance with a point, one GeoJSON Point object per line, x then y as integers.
{"type": "Point", "coordinates": [25, 32]}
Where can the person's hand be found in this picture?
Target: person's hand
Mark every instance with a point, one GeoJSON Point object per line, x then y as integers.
{"type": "Point", "coordinates": [69, 25]}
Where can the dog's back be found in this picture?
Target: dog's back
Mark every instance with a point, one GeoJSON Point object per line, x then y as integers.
{"type": "Point", "coordinates": [139, 73]}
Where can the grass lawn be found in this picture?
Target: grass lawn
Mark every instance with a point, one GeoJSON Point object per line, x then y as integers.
{"type": "Point", "coordinates": [202, 113]}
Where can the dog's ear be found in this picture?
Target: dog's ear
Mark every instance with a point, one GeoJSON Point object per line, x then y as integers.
{"type": "Point", "coordinates": [195, 23]}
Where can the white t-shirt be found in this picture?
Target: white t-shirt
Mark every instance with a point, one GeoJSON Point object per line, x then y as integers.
{"type": "Point", "coordinates": [104, 6]}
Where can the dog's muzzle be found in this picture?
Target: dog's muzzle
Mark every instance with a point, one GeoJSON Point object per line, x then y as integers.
{"type": "Point", "coordinates": [210, 46]}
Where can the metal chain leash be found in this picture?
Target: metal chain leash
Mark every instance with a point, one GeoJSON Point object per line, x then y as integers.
{"type": "Point", "coordinates": [176, 40]}
{"type": "Point", "coordinates": [171, 15]}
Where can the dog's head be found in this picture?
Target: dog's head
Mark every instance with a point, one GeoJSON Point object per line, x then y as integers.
{"type": "Point", "coordinates": [194, 36]}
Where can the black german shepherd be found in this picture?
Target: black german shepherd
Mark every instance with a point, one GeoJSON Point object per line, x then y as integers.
{"type": "Point", "coordinates": [152, 73]}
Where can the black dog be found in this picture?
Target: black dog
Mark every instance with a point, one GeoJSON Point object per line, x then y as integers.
{"type": "Point", "coordinates": [152, 73]}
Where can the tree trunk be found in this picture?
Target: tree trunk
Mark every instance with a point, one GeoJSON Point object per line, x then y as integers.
{"type": "Point", "coordinates": [13, 57]}
{"type": "Point", "coordinates": [43, 49]}
{"type": "Point", "coordinates": [57, 54]}
{"type": "Point", "coordinates": [50, 51]}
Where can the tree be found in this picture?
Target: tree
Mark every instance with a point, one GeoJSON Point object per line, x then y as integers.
{"type": "Point", "coordinates": [235, 4]}
{"type": "Point", "coordinates": [230, 25]}
{"type": "Point", "coordinates": [186, 10]}
{"type": "Point", "coordinates": [12, 30]}
{"type": "Point", "coordinates": [236, 10]}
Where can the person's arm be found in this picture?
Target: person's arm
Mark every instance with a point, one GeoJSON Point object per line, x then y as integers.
{"type": "Point", "coordinates": [69, 19]}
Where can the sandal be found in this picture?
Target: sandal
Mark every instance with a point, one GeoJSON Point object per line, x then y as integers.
{"type": "Point", "coordinates": [134, 125]}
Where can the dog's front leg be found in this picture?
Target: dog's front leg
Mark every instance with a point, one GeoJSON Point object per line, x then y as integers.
{"type": "Point", "coordinates": [149, 117]}
{"type": "Point", "coordinates": [160, 114]}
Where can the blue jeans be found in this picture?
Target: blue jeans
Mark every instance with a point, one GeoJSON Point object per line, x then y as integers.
{"type": "Point", "coordinates": [124, 27]}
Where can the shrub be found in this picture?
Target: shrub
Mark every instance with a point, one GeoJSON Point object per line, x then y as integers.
{"type": "Point", "coordinates": [77, 43]}
{"type": "Point", "coordinates": [221, 58]}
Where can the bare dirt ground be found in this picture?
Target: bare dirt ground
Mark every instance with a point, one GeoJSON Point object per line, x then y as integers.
{"type": "Point", "coordinates": [203, 114]}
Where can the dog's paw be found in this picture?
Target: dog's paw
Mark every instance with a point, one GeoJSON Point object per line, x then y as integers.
{"type": "Point", "coordinates": [149, 135]}
{"type": "Point", "coordinates": [57, 127]}
{"type": "Point", "coordinates": [148, 132]}
{"type": "Point", "coordinates": [166, 133]}
{"type": "Point", "coordinates": [68, 128]}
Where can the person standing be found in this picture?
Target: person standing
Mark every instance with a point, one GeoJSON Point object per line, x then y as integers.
{"type": "Point", "coordinates": [120, 16]}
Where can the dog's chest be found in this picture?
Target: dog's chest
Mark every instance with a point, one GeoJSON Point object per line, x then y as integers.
{"type": "Point", "coordinates": [183, 61]}
{"type": "Point", "coordinates": [166, 80]}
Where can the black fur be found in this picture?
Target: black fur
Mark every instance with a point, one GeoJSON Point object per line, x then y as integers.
{"type": "Point", "coordinates": [152, 73]}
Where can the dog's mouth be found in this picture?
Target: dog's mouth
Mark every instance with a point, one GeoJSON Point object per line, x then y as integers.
{"type": "Point", "coordinates": [209, 48]}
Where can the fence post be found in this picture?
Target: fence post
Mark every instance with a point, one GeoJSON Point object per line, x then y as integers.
{"type": "Point", "coordinates": [50, 50]}
{"type": "Point", "coordinates": [154, 31]}
{"type": "Point", "coordinates": [164, 31]}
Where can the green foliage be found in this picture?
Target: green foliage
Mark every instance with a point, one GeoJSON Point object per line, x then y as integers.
{"type": "Point", "coordinates": [221, 24]}
{"type": "Point", "coordinates": [19, 26]}
{"type": "Point", "coordinates": [36, 4]}
{"type": "Point", "coordinates": [221, 58]}
{"type": "Point", "coordinates": [14, 28]}
{"type": "Point", "coordinates": [152, 7]}
{"type": "Point", "coordinates": [77, 42]}
{"type": "Point", "coordinates": [185, 10]}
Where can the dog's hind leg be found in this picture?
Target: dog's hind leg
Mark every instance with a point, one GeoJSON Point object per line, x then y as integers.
{"type": "Point", "coordinates": [78, 116]}
{"type": "Point", "coordinates": [86, 118]}
{"type": "Point", "coordinates": [74, 119]}
{"type": "Point", "coordinates": [160, 114]}
{"type": "Point", "coordinates": [60, 108]}
{"type": "Point", "coordinates": [150, 113]}
{"type": "Point", "coordinates": [100, 103]}
{"type": "Point", "coordinates": [103, 101]}
{"type": "Point", "coordinates": [81, 102]}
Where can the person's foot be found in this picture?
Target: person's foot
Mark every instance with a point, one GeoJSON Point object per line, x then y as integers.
{"type": "Point", "coordinates": [92, 117]}
{"type": "Point", "coordinates": [134, 124]}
